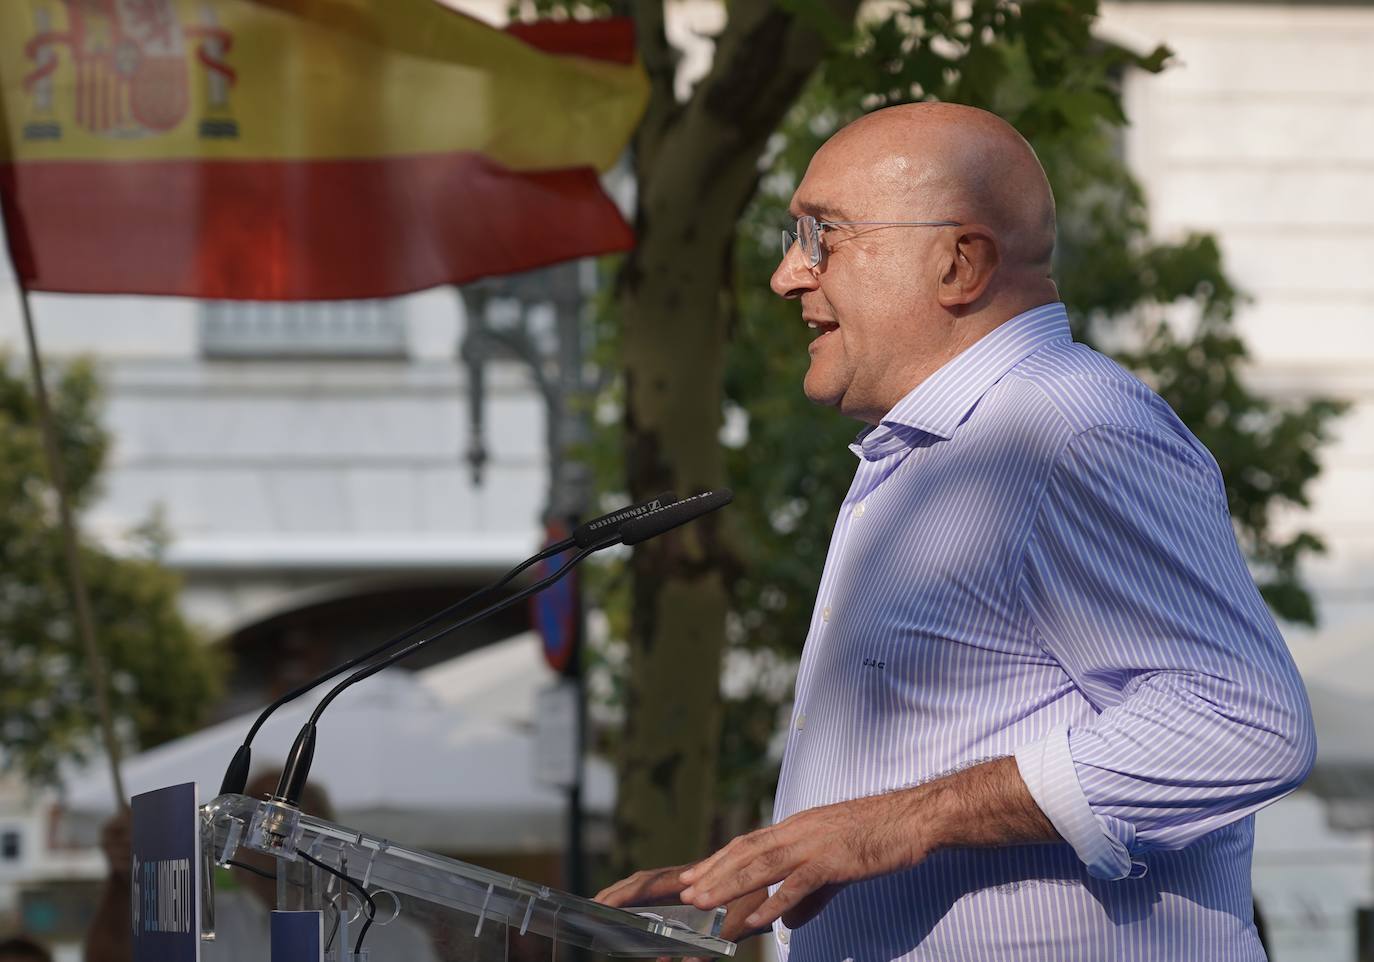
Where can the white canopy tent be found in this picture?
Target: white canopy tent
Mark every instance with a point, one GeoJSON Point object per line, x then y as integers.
{"type": "Point", "coordinates": [441, 759]}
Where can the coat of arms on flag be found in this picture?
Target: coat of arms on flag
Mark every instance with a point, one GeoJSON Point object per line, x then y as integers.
{"type": "Point", "coordinates": [130, 69]}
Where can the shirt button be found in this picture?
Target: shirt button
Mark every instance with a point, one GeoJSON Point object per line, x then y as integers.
{"type": "Point", "coordinates": [859, 510]}
{"type": "Point", "coordinates": [825, 613]}
{"type": "Point", "coordinates": [801, 722]}
{"type": "Point", "coordinates": [784, 936]}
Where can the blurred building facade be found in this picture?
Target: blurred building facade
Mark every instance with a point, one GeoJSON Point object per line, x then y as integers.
{"type": "Point", "coordinates": [302, 454]}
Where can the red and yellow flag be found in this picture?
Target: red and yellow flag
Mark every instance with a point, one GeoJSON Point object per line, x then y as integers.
{"type": "Point", "coordinates": [303, 149]}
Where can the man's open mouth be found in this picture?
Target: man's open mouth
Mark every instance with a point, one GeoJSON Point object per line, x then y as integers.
{"type": "Point", "coordinates": [822, 328]}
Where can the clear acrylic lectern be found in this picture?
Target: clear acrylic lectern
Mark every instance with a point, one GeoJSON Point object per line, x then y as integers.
{"type": "Point", "coordinates": [461, 911]}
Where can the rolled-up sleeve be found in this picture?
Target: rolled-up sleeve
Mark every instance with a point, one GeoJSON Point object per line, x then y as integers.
{"type": "Point", "coordinates": [1133, 581]}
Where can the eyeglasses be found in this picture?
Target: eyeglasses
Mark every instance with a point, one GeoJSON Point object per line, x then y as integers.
{"type": "Point", "coordinates": [809, 230]}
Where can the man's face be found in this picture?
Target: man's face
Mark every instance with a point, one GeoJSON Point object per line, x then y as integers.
{"type": "Point", "coordinates": [870, 299]}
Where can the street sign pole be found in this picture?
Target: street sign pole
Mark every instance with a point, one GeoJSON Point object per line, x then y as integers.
{"type": "Point", "coordinates": [501, 324]}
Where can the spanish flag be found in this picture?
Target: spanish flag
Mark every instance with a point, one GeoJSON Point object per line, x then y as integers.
{"type": "Point", "coordinates": [303, 149]}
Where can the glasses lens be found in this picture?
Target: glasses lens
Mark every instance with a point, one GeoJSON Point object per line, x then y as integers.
{"type": "Point", "coordinates": [809, 234]}
{"type": "Point", "coordinates": [788, 239]}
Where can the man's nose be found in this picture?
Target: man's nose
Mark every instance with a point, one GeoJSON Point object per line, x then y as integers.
{"type": "Point", "coordinates": [793, 277]}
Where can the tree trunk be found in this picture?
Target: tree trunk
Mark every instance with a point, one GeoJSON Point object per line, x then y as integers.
{"type": "Point", "coordinates": [696, 166]}
{"type": "Point", "coordinates": [673, 341]}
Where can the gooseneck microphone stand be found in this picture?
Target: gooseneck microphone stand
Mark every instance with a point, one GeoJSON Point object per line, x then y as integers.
{"type": "Point", "coordinates": [297, 768]}
{"type": "Point", "coordinates": [631, 532]}
{"type": "Point", "coordinates": [592, 534]}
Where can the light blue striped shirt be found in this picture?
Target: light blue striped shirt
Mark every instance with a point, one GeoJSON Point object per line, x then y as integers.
{"type": "Point", "coordinates": [1035, 559]}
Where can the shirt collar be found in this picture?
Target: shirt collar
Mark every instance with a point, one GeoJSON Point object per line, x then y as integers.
{"type": "Point", "coordinates": [938, 405]}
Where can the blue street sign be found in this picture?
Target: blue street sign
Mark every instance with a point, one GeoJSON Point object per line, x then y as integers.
{"type": "Point", "coordinates": [554, 610]}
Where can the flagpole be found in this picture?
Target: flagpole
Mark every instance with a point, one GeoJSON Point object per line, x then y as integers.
{"type": "Point", "coordinates": [80, 598]}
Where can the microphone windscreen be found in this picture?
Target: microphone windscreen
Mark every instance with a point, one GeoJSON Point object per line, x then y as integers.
{"type": "Point", "coordinates": [605, 530]}
{"type": "Point", "coordinates": [688, 509]}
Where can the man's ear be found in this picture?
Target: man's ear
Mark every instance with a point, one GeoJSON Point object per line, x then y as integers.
{"type": "Point", "coordinates": [973, 261]}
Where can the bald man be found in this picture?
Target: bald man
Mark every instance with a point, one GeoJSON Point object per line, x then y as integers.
{"type": "Point", "coordinates": [1040, 698]}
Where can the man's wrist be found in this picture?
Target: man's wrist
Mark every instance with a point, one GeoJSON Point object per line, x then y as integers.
{"type": "Point", "coordinates": [1048, 772]}
{"type": "Point", "coordinates": [985, 805]}
{"type": "Point", "coordinates": [933, 816]}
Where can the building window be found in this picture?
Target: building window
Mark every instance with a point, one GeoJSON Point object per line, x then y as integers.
{"type": "Point", "coordinates": [296, 329]}
{"type": "Point", "coordinates": [10, 846]}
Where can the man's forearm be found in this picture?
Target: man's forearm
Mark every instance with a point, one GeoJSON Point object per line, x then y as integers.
{"type": "Point", "coordinates": [815, 851]}
{"type": "Point", "coordinates": [986, 805]}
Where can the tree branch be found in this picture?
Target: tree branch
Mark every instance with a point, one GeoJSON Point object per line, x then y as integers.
{"type": "Point", "coordinates": [763, 59]}
{"type": "Point", "coordinates": [765, 55]}
{"type": "Point", "coordinates": [660, 64]}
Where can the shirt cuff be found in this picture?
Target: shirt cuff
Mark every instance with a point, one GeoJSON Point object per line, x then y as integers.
{"type": "Point", "coordinates": [1048, 771]}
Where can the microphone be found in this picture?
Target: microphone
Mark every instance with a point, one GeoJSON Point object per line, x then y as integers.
{"type": "Point", "coordinates": [646, 525]}
{"type": "Point", "coordinates": [655, 523]}
{"type": "Point", "coordinates": [587, 534]}
{"type": "Point", "coordinates": [607, 527]}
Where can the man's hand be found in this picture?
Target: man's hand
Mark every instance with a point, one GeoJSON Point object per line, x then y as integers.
{"type": "Point", "coordinates": [663, 886]}
{"type": "Point", "coordinates": [655, 886]}
{"type": "Point", "coordinates": [813, 854]}
{"type": "Point", "coordinates": [816, 852]}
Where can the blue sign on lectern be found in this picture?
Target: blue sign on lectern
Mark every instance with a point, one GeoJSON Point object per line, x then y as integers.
{"type": "Point", "coordinates": [298, 936]}
{"type": "Point", "coordinates": [166, 875]}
